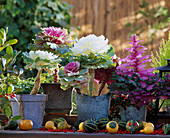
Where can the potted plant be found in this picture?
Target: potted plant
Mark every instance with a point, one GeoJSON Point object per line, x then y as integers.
{"type": "Point", "coordinates": [8, 76]}
{"type": "Point", "coordinates": [58, 42]}
{"type": "Point", "coordinates": [31, 106]}
{"type": "Point", "coordinates": [88, 55]}
{"type": "Point", "coordinates": [136, 82]}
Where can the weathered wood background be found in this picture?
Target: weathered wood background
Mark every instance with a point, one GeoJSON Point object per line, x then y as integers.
{"type": "Point", "coordinates": [108, 18]}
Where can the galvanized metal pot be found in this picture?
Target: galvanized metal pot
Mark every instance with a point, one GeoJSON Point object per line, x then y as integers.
{"type": "Point", "coordinates": [92, 107]}
{"type": "Point", "coordinates": [132, 113]}
{"type": "Point", "coordinates": [59, 101]}
{"type": "Point", "coordinates": [30, 107]}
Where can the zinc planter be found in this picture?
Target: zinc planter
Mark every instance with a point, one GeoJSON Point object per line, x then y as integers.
{"type": "Point", "coordinates": [59, 101]}
{"type": "Point", "coordinates": [92, 107]}
{"type": "Point", "coordinates": [132, 113]}
{"type": "Point", "coordinates": [30, 107]}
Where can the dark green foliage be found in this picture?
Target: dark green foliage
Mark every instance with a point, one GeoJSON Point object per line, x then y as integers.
{"type": "Point", "coordinates": [11, 125]}
{"type": "Point", "coordinates": [116, 102]}
{"type": "Point", "coordinates": [25, 18]}
{"type": "Point", "coordinates": [151, 19]}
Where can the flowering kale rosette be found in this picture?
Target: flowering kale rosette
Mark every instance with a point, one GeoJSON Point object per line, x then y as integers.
{"type": "Point", "coordinates": [40, 60]}
{"type": "Point", "coordinates": [132, 79]}
{"type": "Point", "coordinates": [52, 39]}
{"type": "Point", "coordinates": [92, 53]}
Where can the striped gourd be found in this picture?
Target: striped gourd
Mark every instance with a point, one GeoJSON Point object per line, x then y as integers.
{"type": "Point", "coordinates": [166, 129]}
{"type": "Point", "coordinates": [90, 126]}
{"type": "Point", "coordinates": [122, 125]}
{"type": "Point", "coordinates": [102, 123]}
{"type": "Point", "coordinates": [62, 125]}
{"type": "Point", "coordinates": [112, 127]}
{"type": "Point", "coordinates": [57, 120]}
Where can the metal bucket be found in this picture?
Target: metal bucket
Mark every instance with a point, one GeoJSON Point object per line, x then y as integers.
{"type": "Point", "coordinates": [30, 107]}
{"type": "Point", "coordinates": [92, 107]}
{"type": "Point", "coordinates": [59, 101]}
{"type": "Point", "coordinates": [132, 113]}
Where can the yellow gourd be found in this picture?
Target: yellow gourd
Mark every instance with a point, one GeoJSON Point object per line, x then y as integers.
{"type": "Point", "coordinates": [112, 127]}
{"type": "Point", "coordinates": [25, 124]}
{"type": "Point", "coordinates": [81, 126]}
{"type": "Point", "coordinates": [149, 124]}
{"type": "Point", "coordinates": [147, 130]}
{"type": "Point", "coordinates": [50, 125]}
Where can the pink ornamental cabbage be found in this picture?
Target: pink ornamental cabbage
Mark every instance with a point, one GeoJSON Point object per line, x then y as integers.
{"type": "Point", "coordinates": [53, 35]}
{"type": "Point", "coordinates": [71, 67]}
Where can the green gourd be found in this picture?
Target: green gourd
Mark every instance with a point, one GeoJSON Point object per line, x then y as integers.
{"type": "Point", "coordinates": [11, 125]}
{"type": "Point", "coordinates": [90, 126]}
{"type": "Point", "coordinates": [132, 126]}
{"type": "Point", "coordinates": [166, 129]}
{"type": "Point", "coordinates": [102, 123]}
{"type": "Point", "coordinates": [122, 125]}
{"type": "Point", "coordinates": [58, 120]}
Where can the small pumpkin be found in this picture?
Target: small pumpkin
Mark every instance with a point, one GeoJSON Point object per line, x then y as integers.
{"type": "Point", "coordinates": [132, 126]}
{"type": "Point", "coordinates": [25, 124]}
{"type": "Point", "coordinates": [50, 125]}
{"type": "Point", "coordinates": [112, 127]}
{"type": "Point", "coordinates": [147, 130]}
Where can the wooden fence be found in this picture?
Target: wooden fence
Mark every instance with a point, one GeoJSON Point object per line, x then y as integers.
{"type": "Point", "coordinates": [109, 18]}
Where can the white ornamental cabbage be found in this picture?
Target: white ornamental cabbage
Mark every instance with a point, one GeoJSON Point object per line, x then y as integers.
{"type": "Point", "coordinates": [91, 44]}
{"type": "Point", "coordinates": [40, 59]}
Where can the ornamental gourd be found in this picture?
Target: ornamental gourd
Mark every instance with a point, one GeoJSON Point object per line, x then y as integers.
{"type": "Point", "coordinates": [122, 124]}
{"type": "Point", "coordinates": [58, 120]}
{"type": "Point", "coordinates": [63, 125]}
{"type": "Point", "coordinates": [11, 125]}
{"type": "Point", "coordinates": [132, 126]}
{"type": "Point", "coordinates": [102, 123]}
{"type": "Point", "coordinates": [112, 127]}
{"type": "Point", "coordinates": [148, 128]}
{"type": "Point", "coordinates": [50, 125]}
{"type": "Point", "coordinates": [90, 126]}
{"type": "Point", "coordinates": [166, 129]}
{"type": "Point", "coordinates": [25, 124]}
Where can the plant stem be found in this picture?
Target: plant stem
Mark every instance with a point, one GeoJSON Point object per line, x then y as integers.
{"type": "Point", "coordinates": [103, 82]}
{"type": "Point", "coordinates": [37, 83]}
{"type": "Point", "coordinates": [91, 76]}
{"type": "Point", "coordinates": [56, 77]}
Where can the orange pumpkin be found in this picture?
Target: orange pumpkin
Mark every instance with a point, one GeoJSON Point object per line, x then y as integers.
{"type": "Point", "coordinates": [25, 124]}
